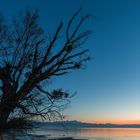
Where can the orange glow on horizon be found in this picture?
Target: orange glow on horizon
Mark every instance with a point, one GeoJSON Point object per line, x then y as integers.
{"type": "Point", "coordinates": [113, 121]}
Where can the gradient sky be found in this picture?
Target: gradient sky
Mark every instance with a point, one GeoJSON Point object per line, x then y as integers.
{"type": "Point", "coordinates": [109, 86]}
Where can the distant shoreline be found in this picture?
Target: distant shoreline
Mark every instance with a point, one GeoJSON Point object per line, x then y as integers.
{"type": "Point", "coordinates": [78, 124]}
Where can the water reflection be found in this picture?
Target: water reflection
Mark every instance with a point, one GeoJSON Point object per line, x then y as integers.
{"type": "Point", "coordinates": [82, 133]}
{"type": "Point", "coordinates": [96, 133]}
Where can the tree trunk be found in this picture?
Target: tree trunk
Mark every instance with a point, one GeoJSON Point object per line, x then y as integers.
{"type": "Point", "coordinates": [6, 107]}
{"type": "Point", "coordinates": [4, 114]}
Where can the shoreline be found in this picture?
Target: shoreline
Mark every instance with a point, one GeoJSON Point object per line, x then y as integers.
{"type": "Point", "coordinates": [67, 138]}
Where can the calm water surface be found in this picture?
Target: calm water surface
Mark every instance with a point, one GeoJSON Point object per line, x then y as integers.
{"type": "Point", "coordinates": [93, 133]}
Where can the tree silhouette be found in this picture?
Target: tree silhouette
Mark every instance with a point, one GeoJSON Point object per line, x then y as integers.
{"type": "Point", "coordinates": [29, 59]}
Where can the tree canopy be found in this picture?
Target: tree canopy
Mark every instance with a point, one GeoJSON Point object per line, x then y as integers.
{"type": "Point", "coordinates": [29, 58]}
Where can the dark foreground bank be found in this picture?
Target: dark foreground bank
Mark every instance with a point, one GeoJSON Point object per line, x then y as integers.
{"type": "Point", "coordinates": [67, 138]}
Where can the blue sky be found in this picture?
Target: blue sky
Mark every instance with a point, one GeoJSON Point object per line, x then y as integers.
{"type": "Point", "coordinates": [109, 85]}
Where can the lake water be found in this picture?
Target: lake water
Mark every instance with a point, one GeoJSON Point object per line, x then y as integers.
{"type": "Point", "coordinates": [92, 133]}
{"type": "Point", "coordinates": [80, 133]}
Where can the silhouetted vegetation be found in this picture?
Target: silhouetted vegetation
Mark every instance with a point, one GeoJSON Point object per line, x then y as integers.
{"type": "Point", "coordinates": [29, 58]}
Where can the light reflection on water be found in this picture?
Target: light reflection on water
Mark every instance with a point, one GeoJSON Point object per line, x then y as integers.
{"type": "Point", "coordinates": [93, 133]}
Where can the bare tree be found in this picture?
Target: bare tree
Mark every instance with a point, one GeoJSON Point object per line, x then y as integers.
{"type": "Point", "coordinates": [29, 59]}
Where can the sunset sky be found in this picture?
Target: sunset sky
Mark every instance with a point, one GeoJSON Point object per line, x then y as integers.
{"type": "Point", "coordinates": [108, 87]}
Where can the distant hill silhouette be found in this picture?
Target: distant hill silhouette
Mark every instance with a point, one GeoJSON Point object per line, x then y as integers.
{"type": "Point", "coordinates": [77, 124]}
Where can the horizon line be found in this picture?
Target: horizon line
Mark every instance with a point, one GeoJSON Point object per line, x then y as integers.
{"type": "Point", "coordinates": [117, 122]}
